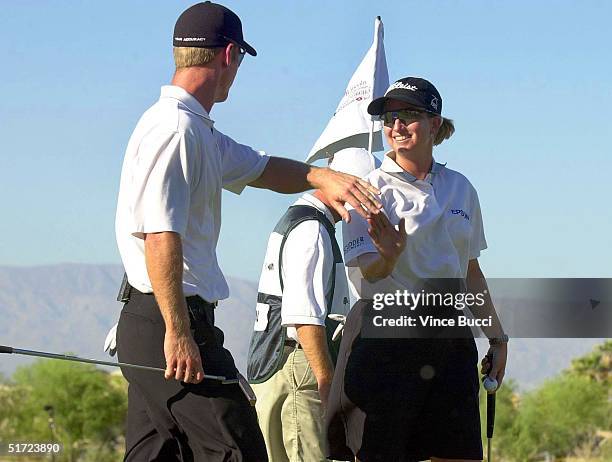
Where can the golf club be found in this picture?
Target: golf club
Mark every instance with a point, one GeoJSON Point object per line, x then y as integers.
{"type": "Point", "coordinates": [491, 386]}
{"type": "Point", "coordinates": [43, 354]}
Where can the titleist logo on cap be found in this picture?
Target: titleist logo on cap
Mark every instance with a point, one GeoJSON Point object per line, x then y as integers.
{"type": "Point", "coordinates": [405, 86]}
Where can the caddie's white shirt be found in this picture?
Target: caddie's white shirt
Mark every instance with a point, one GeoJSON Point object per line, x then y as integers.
{"type": "Point", "coordinates": [443, 223]}
{"type": "Point", "coordinates": [175, 166]}
{"type": "Point", "coordinates": [308, 262]}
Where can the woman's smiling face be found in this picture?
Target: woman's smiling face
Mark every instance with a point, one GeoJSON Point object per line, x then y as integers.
{"type": "Point", "coordinates": [406, 131]}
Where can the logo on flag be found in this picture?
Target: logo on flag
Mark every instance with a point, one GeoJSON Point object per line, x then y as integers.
{"type": "Point", "coordinates": [350, 126]}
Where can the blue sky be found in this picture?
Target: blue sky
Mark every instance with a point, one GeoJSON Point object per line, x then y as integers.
{"type": "Point", "coordinates": [527, 83]}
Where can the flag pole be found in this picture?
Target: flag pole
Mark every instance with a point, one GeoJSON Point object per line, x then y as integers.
{"type": "Point", "coordinates": [371, 138]}
{"type": "Point", "coordinates": [373, 118]}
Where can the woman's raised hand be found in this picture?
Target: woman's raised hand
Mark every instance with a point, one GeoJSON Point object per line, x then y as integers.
{"type": "Point", "coordinates": [389, 242]}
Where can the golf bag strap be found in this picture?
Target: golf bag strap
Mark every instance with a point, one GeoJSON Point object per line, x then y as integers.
{"type": "Point", "coordinates": [299, 214]}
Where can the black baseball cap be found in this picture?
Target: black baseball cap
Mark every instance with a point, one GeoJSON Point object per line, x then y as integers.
{"type": "Point", "coordinates": [207, 25]}
{"type": "Point", "coordinates": [412, 90]}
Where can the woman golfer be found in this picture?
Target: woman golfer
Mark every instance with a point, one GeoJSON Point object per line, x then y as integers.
{"type": "Point", "coordinates": [411, 399]}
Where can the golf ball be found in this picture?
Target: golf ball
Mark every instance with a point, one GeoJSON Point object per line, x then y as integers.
{"type": "Point", "coordinates": [489, 384]}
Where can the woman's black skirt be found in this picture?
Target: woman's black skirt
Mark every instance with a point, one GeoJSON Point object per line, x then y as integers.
{"type": "Point", "coordinates": [403, 399]}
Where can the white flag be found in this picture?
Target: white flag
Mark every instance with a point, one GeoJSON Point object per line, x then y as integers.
{"type": "Point", "coordinates": [350, 125]}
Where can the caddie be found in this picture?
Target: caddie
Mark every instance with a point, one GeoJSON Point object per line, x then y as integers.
{"type": "Point", "coordinates": [293, 346]}
{"type": "Point", "coordinates": [167, 227]}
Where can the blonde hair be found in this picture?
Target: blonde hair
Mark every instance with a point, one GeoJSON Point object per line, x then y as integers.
{"type": "Point", "coordinates": [445, 131]}
{"type": "Point", "coordinates": [193, 56]}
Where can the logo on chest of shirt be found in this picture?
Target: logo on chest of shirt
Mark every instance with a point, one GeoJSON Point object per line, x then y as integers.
{"type": "Point", "coordinates": [354, 244]}
{"type": "Point", "coordinates": [460, 213]}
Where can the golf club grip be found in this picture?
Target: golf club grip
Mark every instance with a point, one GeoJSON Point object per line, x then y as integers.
{"type": "Point", "coordinates": [6, 349]}
{"type": "Point", "coordinates": [490, 414]}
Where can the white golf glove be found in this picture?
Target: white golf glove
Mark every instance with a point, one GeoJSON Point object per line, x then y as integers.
{"type": "Point", "coordinates": [341, 319]}
{"type": "Point", "coordinates": [110, 344]}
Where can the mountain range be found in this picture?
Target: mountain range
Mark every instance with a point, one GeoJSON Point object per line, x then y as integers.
{"type": "Point", "coordinates": [70, 308]}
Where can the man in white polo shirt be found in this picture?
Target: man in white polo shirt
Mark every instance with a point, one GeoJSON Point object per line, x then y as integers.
{"type": "Point", "coordinates": [167, 226]}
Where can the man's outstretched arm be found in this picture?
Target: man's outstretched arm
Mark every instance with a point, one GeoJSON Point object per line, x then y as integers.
{"type": "Point", "coordinates": [290, 176]}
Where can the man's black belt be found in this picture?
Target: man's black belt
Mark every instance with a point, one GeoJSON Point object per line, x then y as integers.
{"type": "Point", "coordinates": [127, 290]}
{"type": "Point", "coordinates": [292, 343]}
{"type": "Point", "coordinates": [201, 314]}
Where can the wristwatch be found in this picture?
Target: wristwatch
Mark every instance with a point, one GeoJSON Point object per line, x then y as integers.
{"type": "Point", "coordinates": [499, 340]}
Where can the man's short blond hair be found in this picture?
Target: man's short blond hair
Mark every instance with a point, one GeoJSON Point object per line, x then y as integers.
{"type": "Point", "coordinates": [193, 56]}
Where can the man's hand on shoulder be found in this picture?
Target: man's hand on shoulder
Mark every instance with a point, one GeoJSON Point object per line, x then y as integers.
{"type": "Point", "coordinates": [290, 176]}
{"type": "Point", "coordinates": [341, 188]}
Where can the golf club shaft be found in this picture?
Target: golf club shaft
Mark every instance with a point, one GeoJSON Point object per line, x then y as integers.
{"type": "Point", "coordinates": [490, 414]}
{"type": "Point", "coordinates": [490, 422]}
{"type": "Point", "coordinates": [43, 354]}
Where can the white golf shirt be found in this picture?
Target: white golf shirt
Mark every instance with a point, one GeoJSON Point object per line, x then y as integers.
{"type": "Point", "coordinates": [443, 223]}
{"type": "Point", "coordinates": [308, 262]}
{"type": "Point", "coordinates": [174, 168]}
